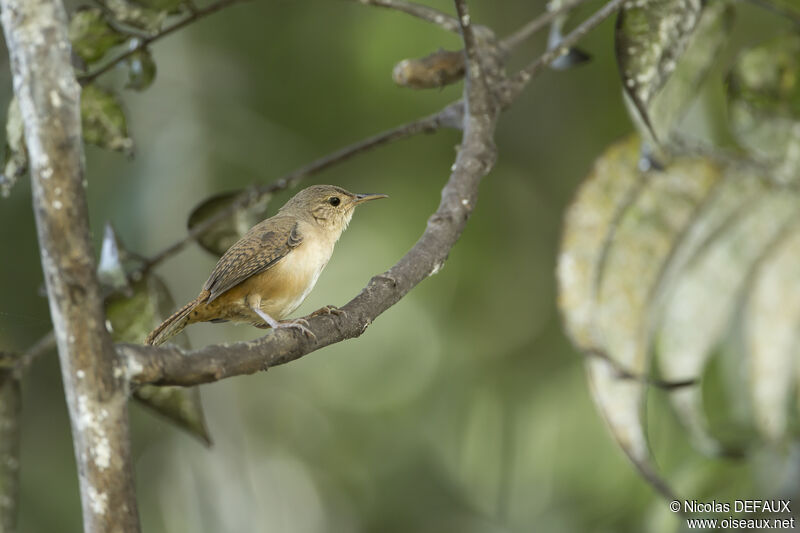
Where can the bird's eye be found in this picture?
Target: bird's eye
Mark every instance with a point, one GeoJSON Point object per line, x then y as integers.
{"type": "Point", "coordinates": [334, 201]}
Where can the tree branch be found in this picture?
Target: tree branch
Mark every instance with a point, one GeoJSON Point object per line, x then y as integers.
{"type": "Point", "coordinates": [193, 16]}
{"type": "Point", "coordinates": [524, 76]}
{"type": "Point", "coordinates": [476, 156]}
{"type": "Point", "coordinates": [536, 25]}
{"type": "Point", "coordinates": [169, 365]}
{"type": "Point", "coordinates": [443, 20]}
{"type": "Point", "coordinates": [96, 391]}
{"type": "Point", "coordinates": [10, 405]}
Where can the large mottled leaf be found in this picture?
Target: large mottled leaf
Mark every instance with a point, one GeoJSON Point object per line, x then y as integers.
{"type": "Point", "coordinates": [103, 120]}
{"type": "Point", "coordinates": [91, 34]}
{"type": "Point", "coordinates": [685, 260]}
{"type": "Point", "coordinates": [16, 155]}
{"type": "Point", "coordinates": [132, 314]}
{"type": "Point", "coordinates": [772, 316]}
{"type": "Point", "coordinates": [764, 99]}
{"type": "Point", "coordinates": [620, 232]}
{"type": "Point", "coordinates": [217, 238]}
{"type": "Point", "coordinates": [664, 50]}
{"type": "Point", "coordinates": [141, 70]}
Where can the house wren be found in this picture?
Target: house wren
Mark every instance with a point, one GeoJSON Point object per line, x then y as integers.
{"type": "Point", "coordinates": [268, 273]}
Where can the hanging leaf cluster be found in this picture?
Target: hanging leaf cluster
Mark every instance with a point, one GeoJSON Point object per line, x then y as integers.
{"type": "Point", "coordinates": [670, 275]}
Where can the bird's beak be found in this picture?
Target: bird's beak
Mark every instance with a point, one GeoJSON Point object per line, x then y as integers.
{"type": "Point", "coordinates": [361, 198]}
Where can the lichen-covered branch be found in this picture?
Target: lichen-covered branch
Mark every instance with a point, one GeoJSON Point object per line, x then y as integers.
{"type": "Point", "coordinates": [94, 383]}
{"type": "Point", "coordinates": [10, 403]}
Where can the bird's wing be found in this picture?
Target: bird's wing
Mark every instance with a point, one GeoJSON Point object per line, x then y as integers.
{"type": "Point", "coordinates": [260, 248]}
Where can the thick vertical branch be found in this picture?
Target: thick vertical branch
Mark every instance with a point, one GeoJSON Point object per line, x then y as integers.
{"type": "Point", "coordinates": [9, 449]}
{"type": "Point", "coordinates": [96, 391]}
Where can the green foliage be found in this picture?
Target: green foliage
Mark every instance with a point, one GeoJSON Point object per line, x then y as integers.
{"type": "Point", "coordinates": [103, 121]}
{"type": "Point", "coordinates": [91, 34]}
{"type": "Point", "coordinates": [16, 155]}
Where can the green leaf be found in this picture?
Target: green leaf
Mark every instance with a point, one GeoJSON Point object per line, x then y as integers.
{"type": "Point", "coordinates": [103, 120]}
{"type": "Point", "coordinates": [664, 49]}
{"type": "Point", "coordinates": [141, 70]}
{"type": "Point", "coordinates": [223, 234]}
{"type": "Point", "coordinates": [91, 34]}
{"type": "Point", "coordinates": [764, 100]}
{"type": "Point", "coordinates": [16, 154]}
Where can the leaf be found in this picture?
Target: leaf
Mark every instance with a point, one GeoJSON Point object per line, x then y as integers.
{"type": "Point", "coordinates": [764, 101]}
{"type": "Point", "coordinates": [223, 234]}
{"type": "Point", "coordinates": [131, 315]}
{"type": "Point", "coordinates": [772, 314]}
{"type": "Point", "coordinates": [103, 120]}
{"type": "Point", "coordinates": [91, 34]}
{"type": "Point", "coordinates": [661, 41]}
{"type": "Point", "coordinates": [740, 223]}
{"type": "Point", "coordinates": [688, 259]}
{"type": "Point", "coordinates": [110, 270]}
{"type": "Point", "coordinates": [621, 229]}
{"type": "Point", "coordinates": [16, 154]}
{"type": "Point", "coordinates": [180, 405]}
{"type": "Point", "coordinates": [141, 70]}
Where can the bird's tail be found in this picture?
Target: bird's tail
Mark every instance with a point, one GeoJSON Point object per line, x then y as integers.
{"type": "Point", "coordinates": [173, 325]}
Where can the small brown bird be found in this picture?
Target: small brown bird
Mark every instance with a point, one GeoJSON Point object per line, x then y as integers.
{"type": "Point", "coordinates": [268, 273]}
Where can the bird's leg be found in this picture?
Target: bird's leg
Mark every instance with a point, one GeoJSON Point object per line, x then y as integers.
{"type": "Point", "coordinates": [300, 324]}
{"type": "Point", "coordinates": [328, 310]}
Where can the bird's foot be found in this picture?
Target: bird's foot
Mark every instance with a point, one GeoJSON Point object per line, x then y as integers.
{"type": "Point", "coordinates": [299, 324]}
{"type": "Point", "coordinates": [328, 310]}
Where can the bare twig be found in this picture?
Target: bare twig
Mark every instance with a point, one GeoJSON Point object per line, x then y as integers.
{"type": "Point", "coordinates": [95, 387]}
{"type": "Point", "coordinates": [781, 10]}
{"type": "Point", "coordinates": [443, 20]}
{"type": "Point", "coordinates": [193, 16]}
{"type": "Point", "coordinates": [521, 79]}
{"type": "Point", "coordinates": [536, 25]}
{"type": "Point", "coordinates": [46, 343]}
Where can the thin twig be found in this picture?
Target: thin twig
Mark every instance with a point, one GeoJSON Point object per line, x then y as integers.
{"type": "Point", "coordinates": [523, 77]}
{"type": "Point", "coordinates": [478, 93]}
{"type": "Point", "coordinates": [193, 16]}
{"type": "Point", "coordinates": [535, 25]}
{"type": "Point", "coordinates": [781, 10]}
{"type": "Point", "coordinates": [429, 14]}
{"type": "Point", "coordinates": [46, 343]}
{"type": "Point", "coordinates": [252, 195]}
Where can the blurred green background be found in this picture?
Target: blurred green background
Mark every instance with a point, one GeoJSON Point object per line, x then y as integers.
{"type": "Point", "coordinates": [463, 408]}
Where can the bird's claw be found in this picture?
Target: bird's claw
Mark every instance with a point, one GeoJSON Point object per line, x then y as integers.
{"type": "Point", "coordinates": [328, 310]}
{"type": "Point", "coordinates": [300, 324]}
